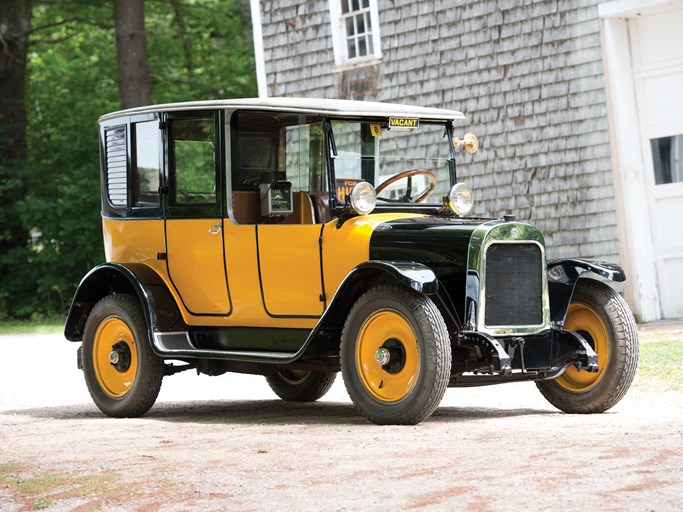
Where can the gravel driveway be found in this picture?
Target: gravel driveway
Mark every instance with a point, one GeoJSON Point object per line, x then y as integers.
{"type": "Point", "coordinates": [226, 443]}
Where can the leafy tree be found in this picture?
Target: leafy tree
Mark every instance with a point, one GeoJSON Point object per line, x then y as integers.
{"type": "Point", "coordinates": [196, 50]}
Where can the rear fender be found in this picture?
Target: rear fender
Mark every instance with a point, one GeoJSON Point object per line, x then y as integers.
{"type": "Point", "coordinates": [563, 276]}
{"type": "Point", "coordinates": [158, 305]}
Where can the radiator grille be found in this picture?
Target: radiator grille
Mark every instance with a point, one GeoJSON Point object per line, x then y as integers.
{"type": "Point", "coordinates": [514, 285]}
{"type": "Point", "coordinates": [117, 166]}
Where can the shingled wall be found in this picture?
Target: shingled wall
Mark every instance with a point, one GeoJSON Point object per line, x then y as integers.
{"type": "Point", "coordinates": [528, 75]}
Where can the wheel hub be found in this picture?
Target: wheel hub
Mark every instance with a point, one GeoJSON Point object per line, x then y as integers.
{"type": "Point", "coordinates": [391, 356]}
{"type": "Point", "coordinates": [120, 357]}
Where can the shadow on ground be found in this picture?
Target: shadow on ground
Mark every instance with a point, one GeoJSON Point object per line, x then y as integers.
{"type": "Point", "coordinates": [276, 412]}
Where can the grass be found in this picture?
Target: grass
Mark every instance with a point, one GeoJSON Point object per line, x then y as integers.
{"type": "Point", "coordinates": [52, 326]}
{"type": "Point", "coordinates": [38, 491]}
{"type": "Point", "coordinates": [661, 365]}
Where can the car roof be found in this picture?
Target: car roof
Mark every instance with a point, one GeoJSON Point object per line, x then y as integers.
{"type": "Point", "coordinates": [332, 107]}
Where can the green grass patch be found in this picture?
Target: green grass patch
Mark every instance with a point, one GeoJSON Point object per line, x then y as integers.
{"type": "Point", "coordinates": [38, 491]}
{"type": "Point", "coordinates": [661, 365]}
{"type": "Point", "coordinates": [52, 326]}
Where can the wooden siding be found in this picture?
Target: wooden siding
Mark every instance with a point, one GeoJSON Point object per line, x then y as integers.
{"type": "Point", "coordinates": [528, 77]}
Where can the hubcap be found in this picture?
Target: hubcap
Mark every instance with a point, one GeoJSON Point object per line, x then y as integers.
{"type": "Point", "coordinates": [115, 358]}
{"type": "Point", "coordinates": [586, 322]}
{"type": "Point", "coordinates": [387, 356]}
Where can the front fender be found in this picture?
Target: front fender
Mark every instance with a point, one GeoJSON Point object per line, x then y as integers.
{"type": "Point", "coordinates": [158, 306]}
{"type": "Point", "coordinates": [563, 276]}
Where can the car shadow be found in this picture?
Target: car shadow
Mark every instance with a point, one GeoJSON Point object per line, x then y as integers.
{"type": "Point", "coordinates": [270, 412]}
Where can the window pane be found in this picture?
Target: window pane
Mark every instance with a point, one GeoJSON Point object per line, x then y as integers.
{"type": "Point", "coordinates": [352, 48]}
{"type": "Point", "coordinates": [349, 27]}
{"type": "Point", "coordinates": [362, 47]}
{"type": "Point", "coordinates": [147, 170]}
{"type": "Point", "coordinates": [345, 6]}
{"type": "Point", "coordinates": [369, 40]}
{"type": "Point", "coordinates": [667, 158]}
{"type": "Point", "coordinates": [366, 4]}
{"type": "Point", "coordinates": [368, 21]}
{"type": "Point", "coordinates": [361, 24]}
{"type": "Point", "coordinates": [195, 173]}
{"type": "Point", "coordinates": [355, 5]}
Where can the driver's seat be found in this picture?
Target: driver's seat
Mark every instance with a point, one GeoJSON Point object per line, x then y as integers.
{"type": "Point", "coordinates": [321, 206]}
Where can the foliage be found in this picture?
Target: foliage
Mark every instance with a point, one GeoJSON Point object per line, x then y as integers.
{"type": "Point", "coordinates": [197, 50]}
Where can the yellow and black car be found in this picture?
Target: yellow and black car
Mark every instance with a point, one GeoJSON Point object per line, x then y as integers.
{"type": "Point", "coordinates": [295, 238]}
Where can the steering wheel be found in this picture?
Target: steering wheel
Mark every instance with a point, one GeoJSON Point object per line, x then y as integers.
{"type": "Point", "coordinates": [407, 174]}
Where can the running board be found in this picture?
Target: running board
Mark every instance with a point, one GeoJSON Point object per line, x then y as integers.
{"type": "Point", "coordinates": [179, 345]}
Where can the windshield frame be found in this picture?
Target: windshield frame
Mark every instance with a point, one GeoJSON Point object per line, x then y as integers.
{"type": "Point", "coordinates": [339, 208]}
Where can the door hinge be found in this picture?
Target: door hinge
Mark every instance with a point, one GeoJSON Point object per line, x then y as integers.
{"type": "Point", "coordinates": [163, 191]}
{"type": "Point", "coordinates": [162, 125]}
{"type": "Point", "coordinates": [323, 297]}
{"type": "Point", "coordinates": [162, 256]}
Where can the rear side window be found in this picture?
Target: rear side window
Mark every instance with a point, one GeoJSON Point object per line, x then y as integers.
{"type": "Point", "coordinates": [147, 171]}
{"type": "Point", "coordinates": [194, 162]}
{"type": "Point", "coordinates": [117, 166]}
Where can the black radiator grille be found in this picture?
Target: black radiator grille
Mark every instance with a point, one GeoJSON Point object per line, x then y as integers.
{"type": "Point", "coordinates": [514, 285]}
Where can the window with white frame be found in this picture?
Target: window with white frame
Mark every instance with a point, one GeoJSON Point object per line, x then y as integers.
{"type": "Point", "coordinates": [355, 30]}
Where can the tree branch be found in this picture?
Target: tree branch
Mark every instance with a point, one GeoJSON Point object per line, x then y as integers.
{"type": "Point", "coordinates": [60, 23]}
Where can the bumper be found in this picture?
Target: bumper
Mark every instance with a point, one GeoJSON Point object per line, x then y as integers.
{"type": "Point", "coordinates": [542, 356]}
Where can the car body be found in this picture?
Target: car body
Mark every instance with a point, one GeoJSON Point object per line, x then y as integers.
{"type": "Point", "coordinates": [294, 238]}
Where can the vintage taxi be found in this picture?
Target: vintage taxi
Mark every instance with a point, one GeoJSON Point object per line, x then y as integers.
{"type": "Point", "coordinates": [296, 238]}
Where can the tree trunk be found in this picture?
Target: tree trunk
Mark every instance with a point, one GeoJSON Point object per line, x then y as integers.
{"type": "Point", "coordinates": [15, 17]}
{"type": "Point", "coordinates": [131, 51]}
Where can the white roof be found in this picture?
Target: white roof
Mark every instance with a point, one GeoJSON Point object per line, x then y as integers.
{"type": "Point", "coordinates": [304, 106]}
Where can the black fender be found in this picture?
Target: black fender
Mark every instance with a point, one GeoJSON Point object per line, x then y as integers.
{"type": "Point", "coordinates": [137, 279]}
{"type": "Point", "coordinates": [326, 335]}
{"type": "Point", "coordinates": [563, 276]}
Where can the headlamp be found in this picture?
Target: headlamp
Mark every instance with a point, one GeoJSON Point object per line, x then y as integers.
{"type": "Point", "coordinates": [460, 199]}
{"type": "Point", "coordinates": [363, 198]}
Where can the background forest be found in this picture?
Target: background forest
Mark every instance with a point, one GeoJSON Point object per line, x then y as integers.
{"type": "Point", "coordinates": [58, 73]}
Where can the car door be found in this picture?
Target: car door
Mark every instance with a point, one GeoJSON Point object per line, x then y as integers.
{"type": "Point", "coordinates": [193, 225]}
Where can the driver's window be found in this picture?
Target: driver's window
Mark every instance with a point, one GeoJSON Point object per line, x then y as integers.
{"type": "Point", "coordinates": [278, 152]}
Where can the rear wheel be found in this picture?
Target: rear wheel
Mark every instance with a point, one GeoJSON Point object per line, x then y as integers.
{"type": "Point", "coordinates": [300, 386]}
{"type": "Point", "coordinates": [395, 356]}
{"type": "Point", "coordinates": [604, 320]}
{"type": "Point", "coordinates": [122, 373]}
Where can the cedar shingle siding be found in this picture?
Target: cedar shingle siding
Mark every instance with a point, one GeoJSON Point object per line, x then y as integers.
{"type": "Point", "coordinates": [529, 78]}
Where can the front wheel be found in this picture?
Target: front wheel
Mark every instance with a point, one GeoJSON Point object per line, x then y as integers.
{"type": "Point", "coordinates": [604, 320]}
{"type": "Point", "coordinates": [300, 386]}
{"type": "Point", "coordinates": [395, 356]}
{"type": "Point", "coordinates": [122, 373]}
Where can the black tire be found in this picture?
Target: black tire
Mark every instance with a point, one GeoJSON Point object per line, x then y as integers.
{"type": "Point", "coordinates": [408, 334]}
{"type": "Point", "coordinates": [129, 387]}
{"type": "Point", "coordinates": [300, 386]}
{"type": "Point", "coordinates": [599, 314]}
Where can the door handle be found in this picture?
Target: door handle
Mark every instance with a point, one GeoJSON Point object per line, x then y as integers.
{"type": "Point", "coordinates": [215, 229]}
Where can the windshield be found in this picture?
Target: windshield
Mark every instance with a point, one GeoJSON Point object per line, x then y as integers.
{"type": "Point", "coordinates": [407, 164]}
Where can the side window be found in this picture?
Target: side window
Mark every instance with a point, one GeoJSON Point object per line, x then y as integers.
{"type": "Point", "coordinates": [278, 168]}
{"type": "Point", "coordinates": [146, 173]}
{"type": "Point", "coordinates": [193, 162]}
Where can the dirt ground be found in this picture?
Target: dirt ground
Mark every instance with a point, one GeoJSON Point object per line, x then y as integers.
{"type": "Point", "coordinates": [227, 443]}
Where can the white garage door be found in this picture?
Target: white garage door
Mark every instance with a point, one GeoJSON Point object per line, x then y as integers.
{"type": "Point", "coordinates": [657, 60]}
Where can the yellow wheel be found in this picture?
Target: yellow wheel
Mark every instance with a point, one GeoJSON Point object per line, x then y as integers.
{"type": "Point", "coordinates": [395, 355]}
{"type": "Point", "coordinates": [115, 357]}
{"type": "Point", "coordinates": [603, 319]}
{"type": "Point", "coordinates": [387, 356]}
{"type": "Point", "coordinates": [300, 385]}
{"type": "Point", "coordinates": [122, 373]}
{"type": "Point", "coordinates": [584, 320]}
